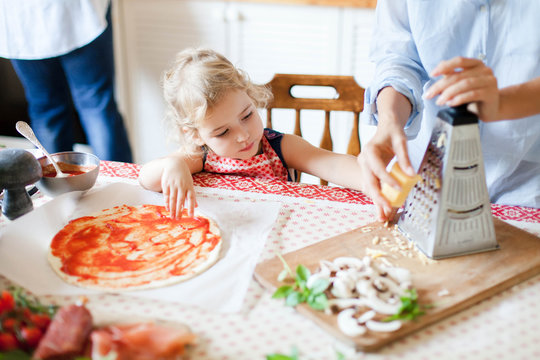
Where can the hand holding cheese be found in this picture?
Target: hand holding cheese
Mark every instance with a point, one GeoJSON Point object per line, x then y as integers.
{"type": "Point", "coordinates": [397, 197]}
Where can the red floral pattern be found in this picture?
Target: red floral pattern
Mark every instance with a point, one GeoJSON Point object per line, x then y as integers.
{"type": "Point", "coordinates": [264, 166]}
{"type": "Point", "coordinates": [292, 189]}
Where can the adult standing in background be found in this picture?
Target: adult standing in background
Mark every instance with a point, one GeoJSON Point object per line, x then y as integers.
{"type": "Point", "coordinates": [62, 52]}
{"type": "Point", "coordinates": [411, 38]}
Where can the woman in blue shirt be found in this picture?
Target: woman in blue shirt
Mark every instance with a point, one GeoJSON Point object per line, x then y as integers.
{"type": "Point", "coordinates": [411, 38]}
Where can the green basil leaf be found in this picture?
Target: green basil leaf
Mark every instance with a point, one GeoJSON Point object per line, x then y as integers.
{"type": "Point", "coordinates": [409, 309]}
{"type": "Point", "coordinates": [391, 318]}
{"type": "Point", "coordinates": [302, 285]}
{"type": "Point", "coordinates": [293, 299]}
{"type": "Point", "coordinates": [282, 292]}
{"type": "Point", "coordinates": [319, 302]}
{"type": "Point", "coordinates": [286, 266]}
{"type": "Point", "coordinates": [294, 354]}
{"type": "Point", "coordinates": [283, 275]}
{"type": "Point", "coordinates": [319, 286]}
{"type": "Point", "coordinates": [303, 272]}
{"type": "Point", "coordinates": [278, 357]}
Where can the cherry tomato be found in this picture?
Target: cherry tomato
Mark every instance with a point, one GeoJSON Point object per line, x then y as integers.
{"type": "Point", "coordinates": [26, 313]}
{"type": "Point", "coordinates": [7, 303]}
{"type": "Point", "coordinates": [41, 321]}
{"type": "Point", "coordinates": [31, 336]}
{"type": "Point", "coordinates": [8, 325]}
{"type": "Point", "coordinates": [8, 342]}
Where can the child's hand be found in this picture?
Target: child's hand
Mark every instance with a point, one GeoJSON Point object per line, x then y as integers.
{"type": "Point", "coordinates": [177, 187]}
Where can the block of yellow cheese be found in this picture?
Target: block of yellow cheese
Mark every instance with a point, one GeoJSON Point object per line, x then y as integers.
{"type": "Point", "coordinates": [394, 196]}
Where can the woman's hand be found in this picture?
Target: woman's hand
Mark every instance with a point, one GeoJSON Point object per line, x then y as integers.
{"type": "Point", "coordinates": [373, 159]}
{"type": "Point", "coordinates": [466, 80]}
{"type": "Point", "coordinates": [389, 140]}
{"type": "Point", "coordinates": [177, 187]}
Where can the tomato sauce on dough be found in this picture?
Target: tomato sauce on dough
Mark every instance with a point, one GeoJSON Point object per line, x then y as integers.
{"type": "Point", "coordinates": [128, 246]}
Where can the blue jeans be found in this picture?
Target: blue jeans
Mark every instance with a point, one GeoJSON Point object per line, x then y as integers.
{"type": "Point", "coordinates": [84, 78]}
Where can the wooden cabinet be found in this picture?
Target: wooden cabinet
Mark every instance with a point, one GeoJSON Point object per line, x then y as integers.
{"type": "Point", "coordinates": [261, 38]}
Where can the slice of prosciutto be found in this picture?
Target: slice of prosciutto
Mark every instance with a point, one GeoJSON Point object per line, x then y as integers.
{"type": "Point", "coordinates": [141, 341]}
{"type": "Point", "coordinates": [67, 334]}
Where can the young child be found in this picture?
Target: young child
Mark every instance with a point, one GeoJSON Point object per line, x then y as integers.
{"type": "Point", "coordinates": [212, 110]}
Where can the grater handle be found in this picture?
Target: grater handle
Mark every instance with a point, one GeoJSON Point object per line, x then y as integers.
{"type": "Point", "coordinates": [458, 115]}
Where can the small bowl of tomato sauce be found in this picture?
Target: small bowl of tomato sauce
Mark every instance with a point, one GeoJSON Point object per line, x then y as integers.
{"type": "Point", "coordinates": [82, 168]}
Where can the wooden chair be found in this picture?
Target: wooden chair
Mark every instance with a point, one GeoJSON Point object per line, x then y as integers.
{"type": "Point", "coordinates": [350, 97]}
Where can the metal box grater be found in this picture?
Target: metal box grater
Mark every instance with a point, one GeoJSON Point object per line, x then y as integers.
{"type": "Point", "coordinates": [448, 212]}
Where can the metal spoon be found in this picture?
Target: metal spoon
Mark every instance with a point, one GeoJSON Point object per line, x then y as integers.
{"type": "Point", "coordinates": [25, 130]}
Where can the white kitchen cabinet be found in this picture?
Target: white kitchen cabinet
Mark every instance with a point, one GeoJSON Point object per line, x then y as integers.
{"type": "Point", "coordinates": [359, 24]}
{"type": "Point", "coordinates": [261, 38]}
{"type": "Point", "coordinates": [147, 36]}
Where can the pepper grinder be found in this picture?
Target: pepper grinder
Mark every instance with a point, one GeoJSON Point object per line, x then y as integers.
{"type": "Point", "coordinates": [18, 168]}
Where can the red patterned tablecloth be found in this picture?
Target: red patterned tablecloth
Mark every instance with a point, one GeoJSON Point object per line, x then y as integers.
{"type": "Point", "coordinates": [306, 191]}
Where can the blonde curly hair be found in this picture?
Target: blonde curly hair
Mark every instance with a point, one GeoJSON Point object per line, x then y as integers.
{"type": "Point", "coordinates": [196, 82]}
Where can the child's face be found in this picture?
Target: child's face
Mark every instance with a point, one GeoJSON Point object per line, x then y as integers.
{"type": "Point", "coordinates": [233, 127]}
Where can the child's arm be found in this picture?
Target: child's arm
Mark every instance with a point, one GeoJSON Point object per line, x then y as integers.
{"type": "Point", "coordinates": [340, 169]}
{"type": "Point", "coordinates": [172, 176]}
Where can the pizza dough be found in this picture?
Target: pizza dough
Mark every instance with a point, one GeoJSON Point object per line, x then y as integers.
{"type": "Point", "coordinates": [133, 248]}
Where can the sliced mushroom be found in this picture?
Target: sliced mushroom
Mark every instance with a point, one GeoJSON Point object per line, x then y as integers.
{"type": "Point", "coordinates": [341, 289]}
{"type": "Point", "coordinates": [368, 315]}
{"type": "Point", "coordinates": [367, 261]}
{"type": "Point", "coordinates": [348, 262]}
{"type": "Point", "coordinates": [328, 266]}
{"type": "Point", "coordinates": [364, 288]}
{"type": "Point", "coordinates": [380, 326]}
{"type": "Point", "coordinates": [400, 275]}
{"type": "Point", "coordinates": [391, 286]}
{"type": "Point", "coordinates": [382, 307]}
{"type": "Point", "coordinates": [380, 285]}
{"type": "Point", "coordinates": [348, 324]}
{"type": "Point", "coordinates": [376, 268]}
{"type": "Point", "coordinates": [363, 283]}
{"type": "Point", "coordinates": [346, 303]}
{"type": "Point", "coordinates": [314, 277]}
{"type": "Point", "coordinates": [348, 277]}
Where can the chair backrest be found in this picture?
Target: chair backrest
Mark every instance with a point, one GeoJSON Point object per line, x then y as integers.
{"type": "Point", "coordinates": [350, 97]}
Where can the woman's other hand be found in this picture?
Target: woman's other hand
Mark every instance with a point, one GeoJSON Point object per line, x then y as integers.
{"type": "Point", "coordinates": [466, 80]}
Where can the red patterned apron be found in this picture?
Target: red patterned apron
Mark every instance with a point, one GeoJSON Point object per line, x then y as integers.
{"type": "Point", "coordinates": [266, 165]}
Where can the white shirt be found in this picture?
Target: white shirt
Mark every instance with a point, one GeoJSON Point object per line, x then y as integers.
{"type": "Point", "coordinates": [38, 29]}
{"type": "Point", "coordinates": [412, 36]}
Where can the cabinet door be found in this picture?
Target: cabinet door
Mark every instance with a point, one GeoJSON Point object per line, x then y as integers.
{"type": "Point", "coordinates": [149, 34]}
{"type": "Point", "coordinates": [357, 32]}
{"type": "Point", "coordinates": [357, 37]}
{"type": "Point", "coordinates": [271, 38]}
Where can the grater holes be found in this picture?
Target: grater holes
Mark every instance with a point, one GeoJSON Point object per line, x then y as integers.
{"type": "Point", "coordinates": [421, 209]}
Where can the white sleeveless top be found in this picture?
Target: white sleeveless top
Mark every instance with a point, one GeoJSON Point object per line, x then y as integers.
{"type": "Point", "coordinates": [38, 29]}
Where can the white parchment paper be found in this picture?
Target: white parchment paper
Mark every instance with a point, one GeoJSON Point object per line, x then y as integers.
{"type": "Point", "coordinates": [245, 227]}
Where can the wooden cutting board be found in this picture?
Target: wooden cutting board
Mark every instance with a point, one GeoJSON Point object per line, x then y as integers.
{"type": "Point", "coordinates": [468, 279]}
